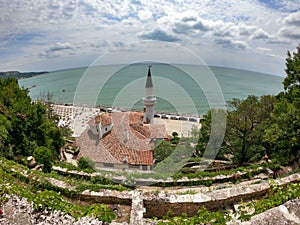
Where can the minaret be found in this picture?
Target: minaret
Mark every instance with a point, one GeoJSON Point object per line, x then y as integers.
{"type": "Point", "coordinates": [149, 101]}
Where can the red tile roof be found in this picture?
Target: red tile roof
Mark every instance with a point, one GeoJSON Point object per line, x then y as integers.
{"type": "Point", "coordinates": [128, 140]}
{"type": "Point", "coordinates": [104, 119]}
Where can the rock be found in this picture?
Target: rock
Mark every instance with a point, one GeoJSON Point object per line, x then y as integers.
{"type": "Point", "coordinates": [276, 216]}
{"type": "Point", "coordinates": [31, 163]}
{"type": "Point", "coordinates": [20, 211]}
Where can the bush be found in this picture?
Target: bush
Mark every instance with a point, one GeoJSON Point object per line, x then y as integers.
{"type": "Point", "coordinates": [43, 156]}
{"type": "Point", "coordinates": [85, 163]}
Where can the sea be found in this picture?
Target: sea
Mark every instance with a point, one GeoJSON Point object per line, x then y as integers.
{"type": "Point", "coordinates": [182, 89]}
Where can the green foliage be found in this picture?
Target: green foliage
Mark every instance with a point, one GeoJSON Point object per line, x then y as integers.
{"type": "Point", "coordinates": [43, 156]}
{"type": "Point", "coordinates": [211, 134]}
{"type": "Point", "coordinates": [292, 70]}
{"type": "Point", "coordinates": [54, 200]}
{"type": "Point", "coordinates": [204, 216]}
{"type": "Point", "coordinates": [100, 212]}
{"type": "Point", "coordinates": [85, 163]}
{"type": "Point", "coordinates": [277, 196]}
{"type": "Point", "coordinates": [162, 151]}
{"type": "Point", "coordinates": [188, 192]}
{"type": "Point", "coordinates": [175, 161]}
{"type": "Point", "coordinates": [283, 134]}
{"type": "Point", "coordinates": [24, 125]}
{"type": "Point", "coordinates": [175, 140]}
{"type": "Point", "coordinates": [245, 127]}
{"type": "Point", "coordinates": [174, 134]}
{"type": "Point", "coordinates": [48, 199]}
{"type": "Point", "coordinates": [66, 165]}
{"type": "Point", "coordinates": [13, 180]}
{"type": "Point", "coordinates": [259, 126]}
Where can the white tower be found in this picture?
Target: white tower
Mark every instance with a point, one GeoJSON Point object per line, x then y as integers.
{"type": "Point", "coordinates": [149, 101]}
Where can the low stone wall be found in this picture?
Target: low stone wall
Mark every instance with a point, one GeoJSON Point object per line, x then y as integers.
{"type": "Point", "coordinates": [108, 197]}
{"type": "Point", "coordinates": [214, 200]}
{"type": "Point", "coordinates": [287, 213]}
{"type": "Point", "coordinates": [163, 182]}
{"type": "Point", "coordinates": [160, 203]}
{"type": "Point", "coordinates": [191, 203]}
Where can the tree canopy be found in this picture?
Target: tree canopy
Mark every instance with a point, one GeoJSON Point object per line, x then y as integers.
{"type": "Point", "coordinates": [266, 125]}
{"type": "Point", "coordinates": [24, 125]}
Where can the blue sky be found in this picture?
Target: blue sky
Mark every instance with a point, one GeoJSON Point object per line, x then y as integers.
{"type": "Point", "coordinates": [52, 34]}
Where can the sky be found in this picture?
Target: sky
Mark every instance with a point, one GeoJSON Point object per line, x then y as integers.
{"type": "Point", "coordinates": [50, 35]}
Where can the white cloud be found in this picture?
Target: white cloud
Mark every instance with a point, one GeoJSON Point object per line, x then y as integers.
{"type": "Point", "coordinates": [292, 19]}
{"type": "Point", "coordinates": [158, 35]}
{"type": "Point", "coordinates": [262, 49]}
{"type": "Point", "coordinates": [231, 44]}
{"type": "Point", "coordinates": [145, 14]}
{"type": "Point", "coordinates": [260, 34]}
{"type": "Point", "coordinates": [56, 28]}
{"type": "Point", "coordinates": [291, 26]}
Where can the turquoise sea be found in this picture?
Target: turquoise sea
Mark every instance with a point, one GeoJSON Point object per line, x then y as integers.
{"type": "Point", "coordinates": [178, 88]}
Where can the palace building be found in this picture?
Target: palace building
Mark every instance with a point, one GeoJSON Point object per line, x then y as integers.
{"type": "Point", "coordinates": [123, 139]}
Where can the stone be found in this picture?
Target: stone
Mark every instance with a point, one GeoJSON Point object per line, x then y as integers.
{"type": "Point", "coordinates": [31, 163]}
{"type": "Point", "coordinates": [278, 216]}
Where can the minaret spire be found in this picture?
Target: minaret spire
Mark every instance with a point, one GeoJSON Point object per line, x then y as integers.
{"type": "Point", "coordinates": [149, 83]}
{"type": "Point", "coordinates": [149, 100]}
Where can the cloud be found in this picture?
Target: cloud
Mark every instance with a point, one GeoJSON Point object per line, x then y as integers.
{"type": "Point", "coordinates": [158, 35]}
{"type": "Point", "coordinates": [55, 28]}
{"type": "Point", "coordinates": [118, 44]}
{"type": "Point", "coordinates": [99, 44]}
{"type": "Point", "coordinates": [283, 5]}
{"type": "Point", "coordinates": [291, 26]}
{"type": "Point", "coordinates": [188, 24]}
{"type": "Point", "coordinates": [58, 50]}
{"type": "Point", "coordinates": [233, 44]}
{"type": "Point", "coordinates": [260, 34]}
{"type": "Point", "coordinates": [262, 49]}
{"type": "Point", "coordinates": [290, 32]}
{"type": "Point", "coordinates": [217, 28]}
{"type": "Point", "coordinates": [293, 19]}
{"type": "Point", "coordinates": [145, 14]}
{"type": "Point", "coordinates": [61, 47]}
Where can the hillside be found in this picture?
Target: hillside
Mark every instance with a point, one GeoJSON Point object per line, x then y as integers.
{"type": "Point", "coordinates": [67, 195]}
{"type": "Point", "coordinates": [19, 75]}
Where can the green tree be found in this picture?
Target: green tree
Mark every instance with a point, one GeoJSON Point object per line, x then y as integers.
{"type": "Point", "coordinates": [25, 125]}
{"type": "Point", "coordinates": [43, 156]}
{"type": "Point", "coordinates": [292, 70]}
{"type": "Point", "coordinates": [85, 163]}
{"type": "Point", "coordinates": [284, 133]}
{"type": "Point", "coordinates": [246, 122]}
{"type": "Point", "coordinates": [175, 139]}
{"type": "Point", "coordinates": [162, 151]}
{"type": "Point", "coordinates": [211, 137]}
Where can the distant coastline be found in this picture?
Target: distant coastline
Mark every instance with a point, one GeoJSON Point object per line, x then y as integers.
{"type": "Point", "coordinates": [20, 75]}
{"type": "Point", "coordinates": [23, 75]}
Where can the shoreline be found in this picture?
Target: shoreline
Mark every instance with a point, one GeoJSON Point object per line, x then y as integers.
{"type": "Point", "coordinates": [76, 117]}
{"type": "Point", "coordinates": [110, 109]}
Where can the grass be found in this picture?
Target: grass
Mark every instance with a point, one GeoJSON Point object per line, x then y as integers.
{"type": "Point", "coordinates": [188, 192]}
{"type": "Point", "coordinates": [16, 179]}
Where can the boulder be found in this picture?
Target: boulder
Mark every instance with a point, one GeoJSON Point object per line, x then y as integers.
{"type": "Point", "coordinates": [31, 162]}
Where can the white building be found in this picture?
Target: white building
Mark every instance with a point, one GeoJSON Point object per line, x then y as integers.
{"type": "Point", "coordinates": [149, 101]}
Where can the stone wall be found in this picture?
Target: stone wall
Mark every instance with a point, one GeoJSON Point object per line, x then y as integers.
{"type": "Point", "coordinates": [160, 203]}
{"type": "Point", "coordinates": [191, 203]}
{"type": "Point", "coordinates": [213, 200]}
{"type": "Point", "coordinates": [108, 197]}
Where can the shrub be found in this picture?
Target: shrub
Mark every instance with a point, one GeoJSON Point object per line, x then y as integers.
{"type": "Point", "coordinates": [85, 163]}
{"type": "Point", "coordinates": [43, 156]}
